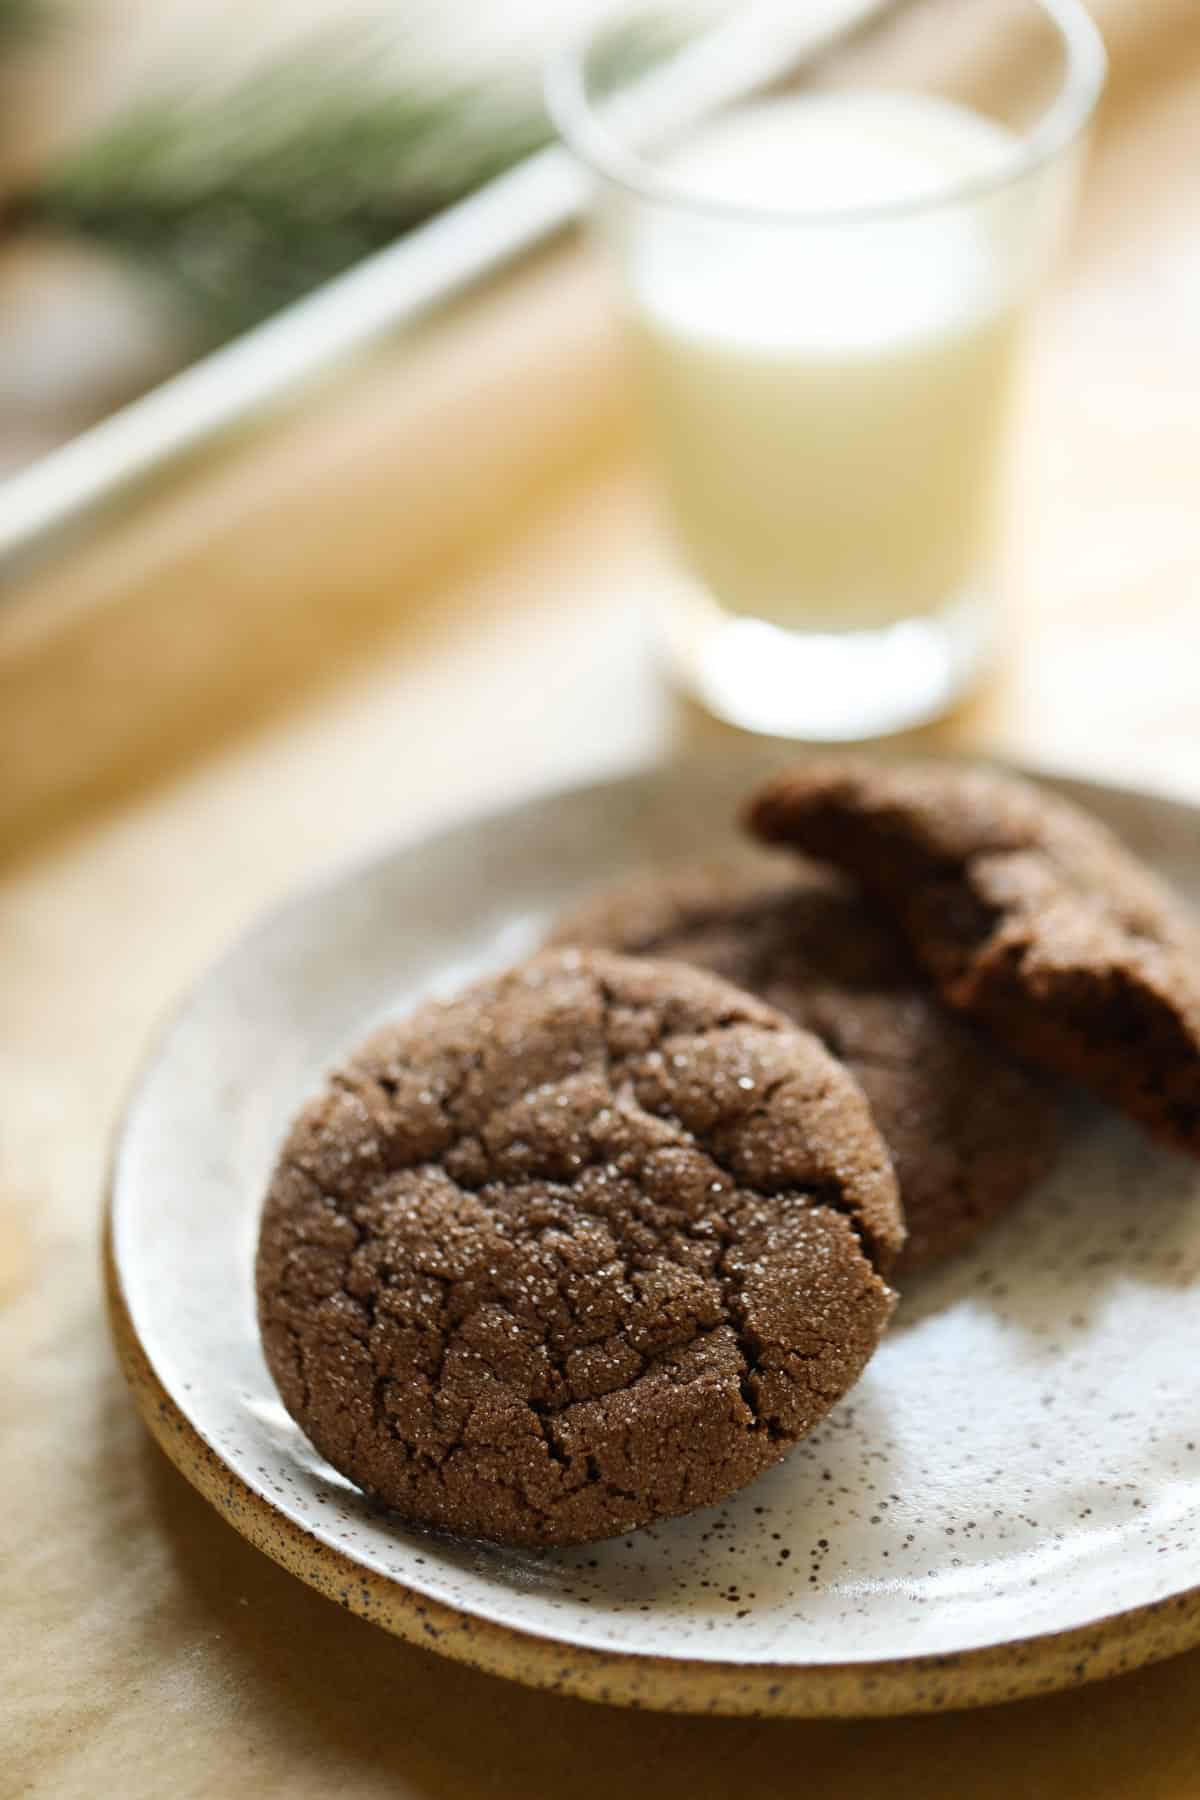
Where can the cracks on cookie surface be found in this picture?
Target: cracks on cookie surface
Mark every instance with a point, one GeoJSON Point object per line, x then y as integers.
{"type": "Point", "coordinates": [1029, 913]}
{"type": "Point", "coordinates": [823, 954]}
{"type": "Point", "coordinates": [601, 1261]}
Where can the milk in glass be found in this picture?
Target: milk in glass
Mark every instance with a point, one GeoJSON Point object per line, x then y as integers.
{"type": "Point", "coordinates": [830, 400]}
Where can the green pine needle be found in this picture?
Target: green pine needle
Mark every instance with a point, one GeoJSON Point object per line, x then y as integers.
{"type": "Point", "coordinates": [247, 199]}
{"type": "Point", "coordinates": [20, 19]}
{"type": "Point", "coordinates": [252, 198]}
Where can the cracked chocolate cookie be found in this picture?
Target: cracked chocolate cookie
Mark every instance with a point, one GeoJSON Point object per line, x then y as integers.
{"type": "Point", "coordinates": [590, 1246]}
{"type": "Point", "coordinates": [1029, 914]}
{"type": "Point", "coordinates": [968, 1128]}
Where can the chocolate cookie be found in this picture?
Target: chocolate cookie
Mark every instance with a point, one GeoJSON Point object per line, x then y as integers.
{"type": "Point", "coordinates": [590, 1246]}
{"type": "Point", "coordinates": [1028, 914]}
{"type": "Point", "coordinates": [969, 1129]}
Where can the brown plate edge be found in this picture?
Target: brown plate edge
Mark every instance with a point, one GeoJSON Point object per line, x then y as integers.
{"type": "Point", "coordinates": [1018, 1670]}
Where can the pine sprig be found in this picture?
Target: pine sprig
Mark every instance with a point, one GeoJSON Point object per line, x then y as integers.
{"type": "Point", "coordinates": [19, 19]}
{"type": "Point", "coordinates": [247, 200]}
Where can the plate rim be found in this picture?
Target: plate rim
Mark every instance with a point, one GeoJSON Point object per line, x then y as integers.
{"type": "Point", "coordinates": [1018, 1668]}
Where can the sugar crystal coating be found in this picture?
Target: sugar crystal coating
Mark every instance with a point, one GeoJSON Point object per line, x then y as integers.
{"type": "Point", "coordinates": [969, 1129]}
{"type": "Point", "coordinates": [589, 1246]}
{"type": "Point", "coordinates": [1028, 913]}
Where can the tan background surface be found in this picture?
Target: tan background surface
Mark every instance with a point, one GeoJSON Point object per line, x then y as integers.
{"type": "Point", "coordinates": [303, 651]}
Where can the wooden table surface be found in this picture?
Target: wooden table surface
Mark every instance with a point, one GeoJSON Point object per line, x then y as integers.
{"type": "Point", "coordinates": [302, 651]}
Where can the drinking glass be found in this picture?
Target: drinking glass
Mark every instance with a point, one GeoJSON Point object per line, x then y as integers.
{"type": "Point", "coordinates": [828, 222]}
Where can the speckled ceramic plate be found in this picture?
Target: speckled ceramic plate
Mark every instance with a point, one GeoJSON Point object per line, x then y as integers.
{"type": "Point", "coordinates": [1008, 1502]}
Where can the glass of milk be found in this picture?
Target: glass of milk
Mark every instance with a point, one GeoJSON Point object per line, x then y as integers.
{"type": "Point", "coordinates": [829, 218]}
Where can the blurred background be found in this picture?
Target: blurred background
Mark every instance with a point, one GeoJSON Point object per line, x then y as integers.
{"type": "Point", "coordinates": [422, 588]}
{"type": "Point", "coordinates": [174, 173]}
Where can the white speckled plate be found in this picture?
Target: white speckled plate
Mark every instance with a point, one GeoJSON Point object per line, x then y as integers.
{"type": "Point", "coordinates": [1008, 1501]}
